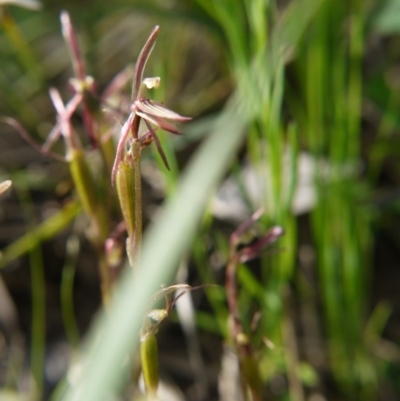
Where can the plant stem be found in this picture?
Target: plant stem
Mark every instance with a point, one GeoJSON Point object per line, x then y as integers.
{"type": "Point", "coordinates": [104, 277]}
{"type": "Point", "coordinates": [38, 296]}
{"type": "Point", "coordinates": [38, 318]}
{"type": "Point", "coordinates": [231, 290]}
{"type": "Point", "coordinates": [87, 192]}
{"type": "Point", "coordinates": [249, 370]}
{"type": "Point", "coordinates": [67, 289]}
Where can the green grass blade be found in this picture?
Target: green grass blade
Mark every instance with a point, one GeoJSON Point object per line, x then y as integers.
{"type": "Point", "coordinates": [294, 21]}
{"type": "Point", "coordinates": [42, 232]}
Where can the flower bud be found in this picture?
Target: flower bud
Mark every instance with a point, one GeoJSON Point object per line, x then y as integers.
{"type": "Point", "coordinates": [125, 180]}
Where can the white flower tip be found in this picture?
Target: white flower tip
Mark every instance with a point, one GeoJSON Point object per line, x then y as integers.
{"type": "Point", "coordinates": [4, 186]}
{"type": "Point", "coordinates": [277, 231]}
{"type": "Point", "coordinates": [152, 83]}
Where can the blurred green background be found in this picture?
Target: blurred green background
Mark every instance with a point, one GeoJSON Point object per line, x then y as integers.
{"type": "Point", "coordinates": [313, 91]}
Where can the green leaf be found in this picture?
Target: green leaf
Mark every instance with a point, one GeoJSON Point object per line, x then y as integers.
{"type": "Point", "coordinates": [294, 21]}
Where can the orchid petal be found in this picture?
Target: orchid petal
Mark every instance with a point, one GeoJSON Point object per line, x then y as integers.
{"type": "Point", "coordinates": [253, 251]}
{"type": "Point", "coordinates": [141, 62]}
{"type": "Point", "coordinates": [56, 131]}
{"type": "Point", "coordinates": [159, 110]}
{"type": "Point", "coordinates": [235, 237]}
{"type": "Point", "coordinates": [159, 123]}
{"type": "Point", "coordinates": [158, 145]}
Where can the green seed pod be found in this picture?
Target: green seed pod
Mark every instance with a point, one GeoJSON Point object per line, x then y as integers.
{"type": "Point", "coordinates": [149, 358]}
{"type": "Point", "coordinates": [84, 182]}
{"type": "Point", "coordinates": [88, 195]}
{"type": "Point", "coordinates": [125, 180]}
{"type": "Point", "coordinates": [251, 375]}
{"type": "Point", "coordinates": [108, 152]}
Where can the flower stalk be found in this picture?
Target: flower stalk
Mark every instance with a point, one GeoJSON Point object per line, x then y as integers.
{"type": "Point", "coordinates": [84, 95]}
{"type": "Point", "coordinates": [87, 192]}
{"type": "Point", "coordinates": [248, 363]}
{"type": "Point", "coordinates": [154, 115]}
{"type": "Point", "coordinates": [148, 340]}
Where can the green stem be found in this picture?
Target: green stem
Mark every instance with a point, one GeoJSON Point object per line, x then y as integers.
{"type": "Point", "coordinates": [38, 285]}
{"type": "Point", "coordinates": [104, 276]}
{"type": "Point", "coordinates": [88, 195]}
{"type": "Point", "coordinates": [38, 318]}
{"type": "Point", "coordinates": [67, 288]}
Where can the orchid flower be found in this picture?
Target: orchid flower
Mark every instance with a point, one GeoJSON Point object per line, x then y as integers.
{"type": "Point", "coordinates": [154, 114]}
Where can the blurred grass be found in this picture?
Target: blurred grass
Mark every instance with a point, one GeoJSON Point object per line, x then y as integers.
{"type": "Point", "coordinates": [38, 341]}
{"type": "Point", "coordinates": [292, 77]}
{"type": "Point", "coordinates": [341, 224]}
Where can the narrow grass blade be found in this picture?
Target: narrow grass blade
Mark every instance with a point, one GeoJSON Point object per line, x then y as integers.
{"type": "Point", "coordinates": [42, 232]}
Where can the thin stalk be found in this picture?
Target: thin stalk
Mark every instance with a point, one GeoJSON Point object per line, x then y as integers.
{"type": "Point", "coordinates": [38, 285]}
{"type": "Point", "coordinates": [67, 288]}
{"type": "Point", "coordinates": [105, 277]}
{"type": "Point", "coordinates": [88, 195]}
{"type": "Point", "coordinates": [231, 294]}
{"type": "Point", "coordinates": [296, 391]}
{"type": "Point", "coordinates": [38, 318]}
{"type": "Point", "coordinates": [249, 366]}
